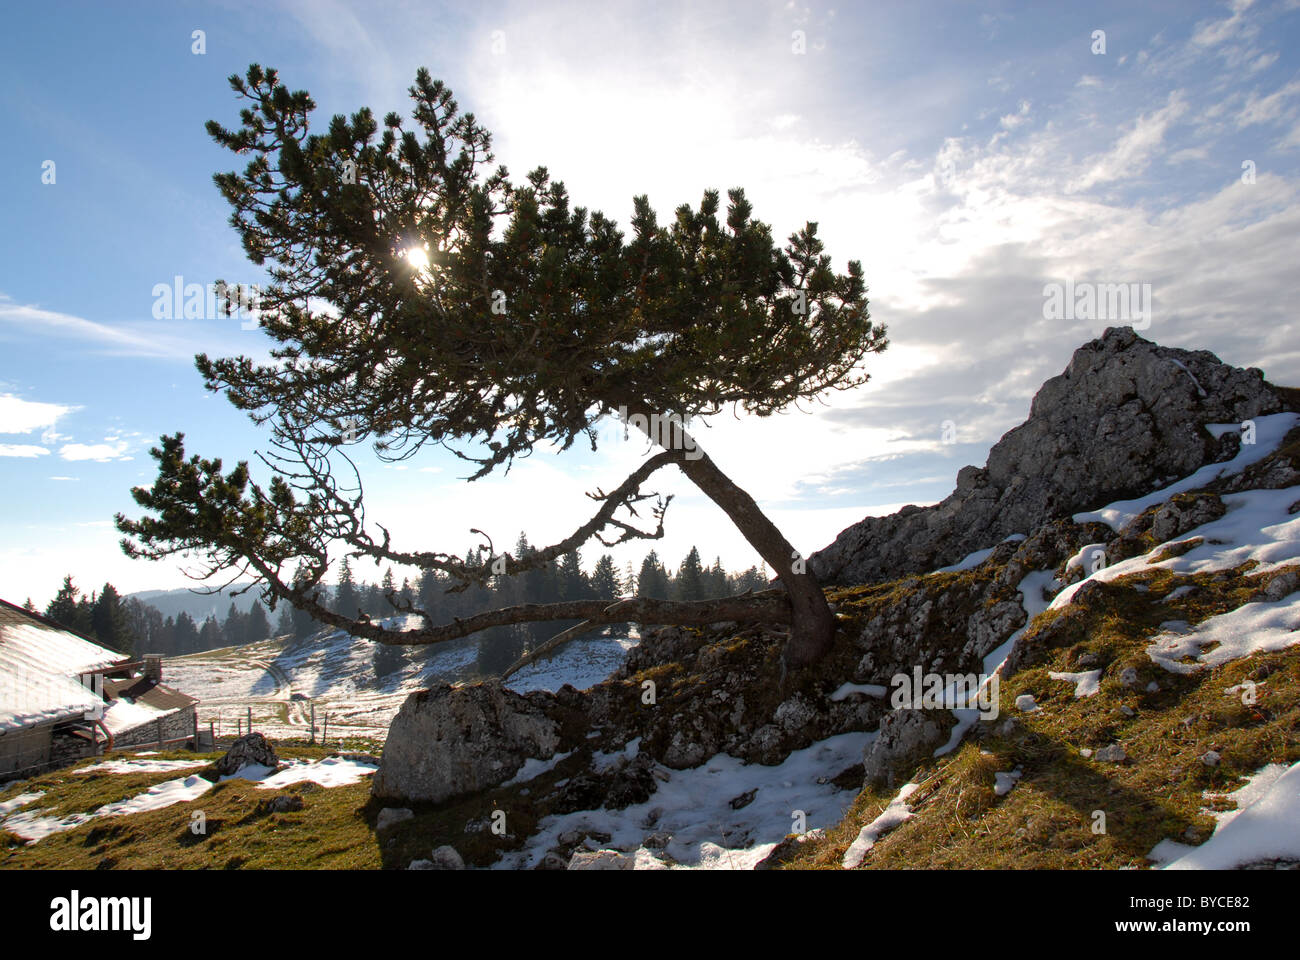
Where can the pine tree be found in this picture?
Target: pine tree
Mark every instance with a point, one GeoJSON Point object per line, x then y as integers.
{"type": "Point", "coordinates": [604, 579]}
{"type": "Point", "coordinates": [346, 599]}
{"type": "Point", "coordinates": [256, 625]}
{"type": "Point", "coordinates": [109, 623]}
{"type": "Point", "coordinates": [29, 606]}
{"type": "Point", "coordinates": [716, 581]}
{"type": "Point", "coordinates": [688, 585]}
{"type": "Point", "coordinates": [187, 634]}
{"type": "Point", "coordinates": [66, 609]}
{"type": "Point", "coordinates": [210, 636]}
{"type": "Point", "coordinates": [653, 579]}
{"type": "Point", "coordinates": [528, 321]}
{"type": "Point", "coordinates": [234, 631]}
{"type": "Point", "coordinates": [573, 579]}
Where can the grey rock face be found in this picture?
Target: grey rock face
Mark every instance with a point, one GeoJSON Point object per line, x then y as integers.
{"type": "Point", "coordinates": [1125, 416]}
{"type": "Point", "coordinates": [905, 735]}
{"type": "Point", "coordinates": [449, 741]}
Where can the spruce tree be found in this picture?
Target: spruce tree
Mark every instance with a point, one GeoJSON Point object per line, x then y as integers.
{"type": "Point", "coordinates": [234, 630]}
{"type": "Point", "coordinates": [688, 584]}
{"type": "Point", "coordinates": [604, 579]}
{"type": "Point", "coordinates": [187, 634]}
{"type": "Point", "coordinates": [67, 609]}
{"type": "Point", "coordinates": [109, 622]}
{"type": "Point", "coordinates": [346, 599]}
{"type": "Point", "coordinates": [256, 625]}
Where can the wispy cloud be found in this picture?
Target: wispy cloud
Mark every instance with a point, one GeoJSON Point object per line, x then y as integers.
{"type": "Point", "coordinates": [123, 340]}
{"type": "Point", "coordinates": [21, 450]}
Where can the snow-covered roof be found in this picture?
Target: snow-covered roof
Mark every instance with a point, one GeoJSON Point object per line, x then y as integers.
{"type": "Point", "coordinates": [123, 715]}
{"type": "Point", "coordinates": [39, 667]}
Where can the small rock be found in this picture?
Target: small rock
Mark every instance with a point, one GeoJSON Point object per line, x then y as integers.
{"type": "Point", "coordinates": [744, 800]}
{"type": "Point", "coordinates": [390, 816]}
{"type": "Point", "coordinates": [284, 803]}
{"type": "Point", "coordinates": [1129, 677]}
{"type": "Point", "coordinates": [601, 860]}
{"type": "Point", "coordinates": [1282, 585]}
{"type": "Point", "coordinates": [553, 861]}
{"type": "Point", "coordinates": [1127, 710]}
{"type": "Point", "coordinates": [1085, 751]}
{"type": "Point", "coordinates": [446, 857]}
{"type": "Point", "coordinates": [1210, 758]}
{"type": "Point", "coordinates": [1025, 703]}
{"type": "Point", "coordinates": [657, 841]}
{"type": "Point", "coordinates": [1112, 754]}
{"type": "Point", "coordinates": [1153, 687]}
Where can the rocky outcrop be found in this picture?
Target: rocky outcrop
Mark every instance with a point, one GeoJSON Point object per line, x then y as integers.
{"type": "Point", "coordinates": [1125, 417]}
{"type": "Point", "coordinates": [449, 741]}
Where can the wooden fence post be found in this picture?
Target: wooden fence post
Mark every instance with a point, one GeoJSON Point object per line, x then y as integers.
{"type": "Point", "coordinates": [313, 721]}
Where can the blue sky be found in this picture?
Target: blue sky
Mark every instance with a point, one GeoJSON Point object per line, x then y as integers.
{"type": "Point", "coordinates": [967, 153]}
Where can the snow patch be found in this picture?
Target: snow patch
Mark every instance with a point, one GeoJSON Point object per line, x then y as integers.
{"type": "Point", "coordinates": [897, 813]}
{"type": "Point", "coordinates": [1086, 683]}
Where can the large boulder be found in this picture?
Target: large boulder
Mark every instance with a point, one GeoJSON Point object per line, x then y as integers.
{"type": "Point", "coordinates": [448, 741]}
{"type": "Point", "coordinates": [1125, 417]}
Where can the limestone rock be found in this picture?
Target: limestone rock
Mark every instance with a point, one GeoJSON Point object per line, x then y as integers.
{"type": "Point", "coordinates": [251, 748]}
{"type": "Point", "coordinates": [905, 736]}
{"type": "Point", "coordinates": [1125, 416]}
{"type": "Point", "coordinates": [449, 741]}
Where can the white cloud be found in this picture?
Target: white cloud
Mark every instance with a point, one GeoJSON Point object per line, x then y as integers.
{"type": "Point", "coordinates": [99, 452]}
{"type": "Point", "coordinates": [21, 450]}
{"type": "Point", "coordinates": [24, 416]}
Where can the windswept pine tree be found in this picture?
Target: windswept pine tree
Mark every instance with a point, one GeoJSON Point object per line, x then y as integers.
{"type": "Point", "coordinates": [420, 296]}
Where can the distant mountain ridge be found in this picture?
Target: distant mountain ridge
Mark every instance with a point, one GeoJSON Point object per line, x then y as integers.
{"type": "Point", "coordinates": [198, 605]}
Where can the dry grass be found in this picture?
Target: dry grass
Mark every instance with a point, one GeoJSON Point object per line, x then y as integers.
{"type": "Point", "coordinates": [1047, 820]}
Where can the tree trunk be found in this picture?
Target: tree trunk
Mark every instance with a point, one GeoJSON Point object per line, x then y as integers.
{"type": "Point", "coordinates": [812, 628]}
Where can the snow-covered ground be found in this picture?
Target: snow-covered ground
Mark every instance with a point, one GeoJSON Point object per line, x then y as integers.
{"type": "Point", "coordinates": [31, 826]}
{"type": "Point", "coordinates": [695, 807]}
{"type": "Point", "coordinates": [1264, 826]}
{"type": "Point", "coordinates": [280, 681]}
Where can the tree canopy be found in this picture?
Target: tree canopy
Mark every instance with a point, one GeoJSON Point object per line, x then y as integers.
{"type": "Point", "coordinates": [420, 296]}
